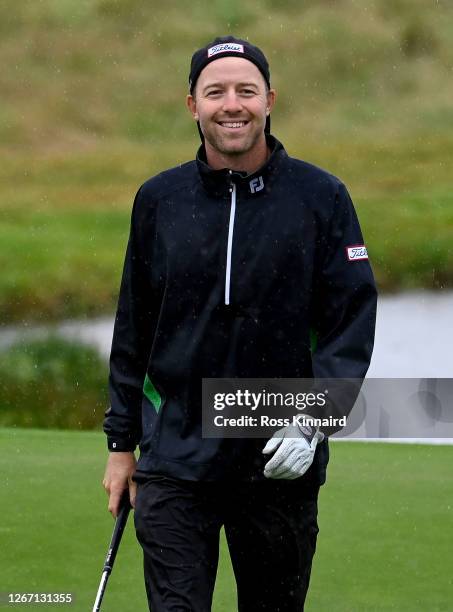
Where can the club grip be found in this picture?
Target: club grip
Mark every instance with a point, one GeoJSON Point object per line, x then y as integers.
{"type": "Point", "coordinates": [120, 524]}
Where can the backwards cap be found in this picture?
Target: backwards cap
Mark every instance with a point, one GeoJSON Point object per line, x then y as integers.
{"type": "Point", "coordinates": [224, 47]}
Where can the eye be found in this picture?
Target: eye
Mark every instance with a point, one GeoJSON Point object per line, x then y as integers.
{"type": "Point", "coordinates": [214, 92]}
{"type": "Point", "coordinates": [247, 92]}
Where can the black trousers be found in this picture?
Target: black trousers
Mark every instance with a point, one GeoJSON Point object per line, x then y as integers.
{"type": "Point", "coordinates": [271, 529]}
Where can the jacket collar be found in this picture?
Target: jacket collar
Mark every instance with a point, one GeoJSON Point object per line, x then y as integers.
{"type": "Point", "coordinates": [218, 182]}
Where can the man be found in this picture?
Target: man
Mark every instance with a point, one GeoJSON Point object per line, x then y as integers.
{"type": "Point", "coordinates": [234, 260]}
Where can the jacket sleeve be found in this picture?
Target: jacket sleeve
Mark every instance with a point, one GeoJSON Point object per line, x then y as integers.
{"type": "Point", "coordinates": [132, 337]}
{"type": "Point", "coordinates": [344, 309]}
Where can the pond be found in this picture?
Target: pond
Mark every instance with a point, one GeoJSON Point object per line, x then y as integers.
{"type": "Point", "coordinates": [414, 335]}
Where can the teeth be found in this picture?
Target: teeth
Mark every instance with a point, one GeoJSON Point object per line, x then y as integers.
{"type": "Point", "coordinates": [237, 124]}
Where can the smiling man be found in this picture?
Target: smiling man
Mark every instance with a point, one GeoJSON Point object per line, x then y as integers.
{"type": "Point", "coordinates": [235, 260]}
{"type": "Point", "coordinates": [231, 100]}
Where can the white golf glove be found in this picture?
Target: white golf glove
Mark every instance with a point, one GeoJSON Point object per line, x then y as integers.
{"type": "Point", "coordinates": [294, 448]}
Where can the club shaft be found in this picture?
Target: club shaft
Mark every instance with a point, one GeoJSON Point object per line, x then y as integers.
{"type": "Point", "coordinates": [100, 593]}
{"type": "Point", "coordinates": [120, 524]}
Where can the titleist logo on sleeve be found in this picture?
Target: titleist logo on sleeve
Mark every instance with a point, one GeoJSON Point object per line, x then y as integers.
{"type": "Point", "coordinates": [356, 252]}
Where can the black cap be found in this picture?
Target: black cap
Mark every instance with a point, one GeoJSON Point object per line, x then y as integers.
{"type": "Point", "coordinates": [224, 47]}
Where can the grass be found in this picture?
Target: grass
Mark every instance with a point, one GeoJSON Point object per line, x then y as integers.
{"type": "Point", "coordinates": [385, 527]}
{"type": "Point", "coordinates": [93, 104]}
{"type": "Point", "coordinates": [64, 264]}
{"type": "Point", "coordinates": [52, 383]}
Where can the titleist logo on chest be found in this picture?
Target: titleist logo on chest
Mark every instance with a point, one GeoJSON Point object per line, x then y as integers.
{"type": "Point", "coordinates": [225, 47]}
{"type": "Point", "coordinates": [356, 252]}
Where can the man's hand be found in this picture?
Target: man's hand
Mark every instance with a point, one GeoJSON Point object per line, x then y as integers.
{"type": "Point", "coordinates": [118, 476]}
{"type": "Point", "coordinates": [294, 448]}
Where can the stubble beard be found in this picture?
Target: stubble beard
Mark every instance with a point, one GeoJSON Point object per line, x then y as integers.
{"type": "Point", "coordinates": [225, 146]}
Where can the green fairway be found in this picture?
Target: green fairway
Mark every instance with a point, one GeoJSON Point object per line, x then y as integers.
{"type": "Point", "coordinates": [385, 527]}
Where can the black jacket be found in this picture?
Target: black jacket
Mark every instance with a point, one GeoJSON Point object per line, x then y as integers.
{"type": "Point", "coordinates": [226, 275]}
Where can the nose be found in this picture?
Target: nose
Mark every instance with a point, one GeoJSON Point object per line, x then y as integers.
{"type": "Point", "coordinates": [231, 102]}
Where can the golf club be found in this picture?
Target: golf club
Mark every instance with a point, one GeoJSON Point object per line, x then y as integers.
{"type": "Point", "coordinates": [120, 524]}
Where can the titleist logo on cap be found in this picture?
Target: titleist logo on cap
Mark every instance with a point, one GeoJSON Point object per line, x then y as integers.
{"type": "Point", "coordinates": [225, 47]}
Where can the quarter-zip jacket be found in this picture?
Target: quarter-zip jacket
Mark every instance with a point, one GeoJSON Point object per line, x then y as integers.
{"type": "Point", "coordinates": [227, 275]}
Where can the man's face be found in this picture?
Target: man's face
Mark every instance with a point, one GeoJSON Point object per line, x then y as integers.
{"type": "Point", "coordinates": [231, 102]}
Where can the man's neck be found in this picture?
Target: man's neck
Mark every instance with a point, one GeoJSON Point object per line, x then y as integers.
{"type": "Point", "coordinates": [247, 162]}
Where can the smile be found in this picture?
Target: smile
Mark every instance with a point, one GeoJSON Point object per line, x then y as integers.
{"type": "Point", "coordinates": [233, 124]}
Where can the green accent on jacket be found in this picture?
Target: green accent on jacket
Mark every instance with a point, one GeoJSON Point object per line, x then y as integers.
{"type": "Point", "coordinates": [152, 394]}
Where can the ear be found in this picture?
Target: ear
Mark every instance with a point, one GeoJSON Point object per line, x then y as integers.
{"type": "Point", "coordinates": [271, 96]}
{"type": "Point", "coordinates": [192, 106]}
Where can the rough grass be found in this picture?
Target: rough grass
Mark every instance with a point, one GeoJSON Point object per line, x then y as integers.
{"type": "Point", "coordinates": [384, 544]}
{"type": "Point", "coordinates": [93, 104]}
{"type": "Point", "coordinates": [52, 383]}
